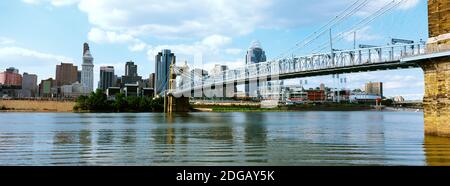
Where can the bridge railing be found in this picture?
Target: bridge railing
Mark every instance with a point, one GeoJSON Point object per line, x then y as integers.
{"type": "Point", "coordinates": [339, 59]}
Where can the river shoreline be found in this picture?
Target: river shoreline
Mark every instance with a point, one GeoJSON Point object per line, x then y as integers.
{"type": "Point", "coordinates": [36, 106]}
{"type": "Point", "coordinates": [67, 107]}
{"type": "Point", "coordinates": [297, 108]}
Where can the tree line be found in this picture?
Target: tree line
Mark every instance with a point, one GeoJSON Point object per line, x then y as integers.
{"type": "Point", "coordinates": [98, 102]}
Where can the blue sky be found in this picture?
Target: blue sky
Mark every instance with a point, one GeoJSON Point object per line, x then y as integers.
{"type": "Point", "coordinates": [36, 35]}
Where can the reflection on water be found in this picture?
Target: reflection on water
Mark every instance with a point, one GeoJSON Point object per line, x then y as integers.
{"type": "Point", "coordinates": [437, 150]}
{"type": "Point", "coordinates": [292, 138]}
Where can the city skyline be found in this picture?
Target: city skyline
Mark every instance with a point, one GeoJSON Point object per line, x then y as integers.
{"type": "Point", "coordinates": [135, 41]}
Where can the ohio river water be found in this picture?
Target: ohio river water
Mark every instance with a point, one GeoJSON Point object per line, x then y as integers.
{"type": "Point", "coordinates": [266, 138]}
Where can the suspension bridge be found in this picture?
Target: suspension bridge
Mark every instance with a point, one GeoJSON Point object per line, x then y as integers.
{"type": "Point", "coordinates": [432, 56]}
{"type": "Point", "coordinates": [351, 61]}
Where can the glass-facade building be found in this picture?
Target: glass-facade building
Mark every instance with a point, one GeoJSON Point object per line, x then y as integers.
{"type": "Point", "coordinates": [131, 75]}
{"type": "Point", "coordinates": [255, 54]}
{"type": "Point", "coordinates": [163, 60]}
{"type": "Point", "coordinates": [107, 77]}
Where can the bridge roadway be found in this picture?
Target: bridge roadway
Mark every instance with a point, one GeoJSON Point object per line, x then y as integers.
{"type": "Point", "coordinates": [352, 61]}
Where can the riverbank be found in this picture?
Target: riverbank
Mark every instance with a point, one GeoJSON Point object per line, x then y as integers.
{"type": "Point", "coordinates": [403, 109]}
{"type": "Point", "coordinates": [36, 106]}
{"type": "Point", "coordinates": [281, 108]}
{"type": "Point", "coordinates": [68, 106]}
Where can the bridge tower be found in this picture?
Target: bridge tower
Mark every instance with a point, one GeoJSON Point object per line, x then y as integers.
{"type": "Point", "coordinates": [437, 71]}
{"type": "Point", "coordinates": [171, 102]}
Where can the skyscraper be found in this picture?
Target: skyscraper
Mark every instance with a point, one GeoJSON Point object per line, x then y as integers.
{"type": "Point", "coordinates": [87, 72]}
{"type": "Point", "coordinates": [66, 74]}
{"type": "Point", "coordinates": [107, 77]}
{"type": "Point", "coordinates": [130, 69]}
{"type": "Point", "coordinates": [255, 54]}
{"type": "Point", "coordinates": [151, 81]}
{"type": "Point", "coordinates": [79, 76]}
{"type": "Point", "coordinates": [163, 60]}
{"type": "Point", "coordinates": [131, 75]}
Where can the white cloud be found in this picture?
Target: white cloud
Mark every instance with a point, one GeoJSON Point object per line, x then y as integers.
{"type": "Point", "coordinates": [138, 46]}
{"type": "Point", "coordinates": [202, 54]}
{"type": "Point", "coordinates": [64, 2]}
{"type": "Point", "coordinates": [363, 34]}
{"type": "Point", "coordinates": [173, 18]}
{"type": "Point", "coordinates": [31, 61]}
{"type": "Point", "coordinates": [109, 37]}
{"type": "Point", "coordinates": [201, 18]}
{"type": "Point", "coordinates": [216, 41]}
{"type": "Point", "coordinates": [209, 45]}
{"type": "Point", "coordinates": [409, 4]}
{"type": "Point", "coordinates": [187, 18]}
{"type": "Point", "coordinates": [10, 52]}
{"type": "Point", "coordinates": [233, 51]}
{"type": "Point", "coordinates": [100, 36]}
{"type": "Point", "coordinates": [53, 2]}
{"type": "Point", "coordinates": [375, 5]}
{"type": "Point", "coordinates": [6, 41]}
{"type": "Point", "coordinates": [231, 64]}
{"type": "Point", "coordinates": [403, 82]}
{"type": "Point", "coordinates": [32, 1]}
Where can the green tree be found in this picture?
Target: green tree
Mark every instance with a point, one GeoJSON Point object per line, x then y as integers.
{"type": "Point", "coordinates": [145, 104]}
{"type": "Point", "coordinates": [157, 104]}
{"type": "Point", "coordinates": [81, 103]}
{"type": "Point", "coordinates": [133, 103]}
{"type": "Point", "coordinates": [98, 101]}
{"type": "Point", "coordinates": [120, 103]}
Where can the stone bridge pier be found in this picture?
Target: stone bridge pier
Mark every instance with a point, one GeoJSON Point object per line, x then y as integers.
{"type": "Point", "coordinates": [437, 71]}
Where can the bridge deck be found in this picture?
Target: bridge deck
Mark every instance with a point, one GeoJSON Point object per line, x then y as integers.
{"type": "Point", "coordinates": [352, 61]}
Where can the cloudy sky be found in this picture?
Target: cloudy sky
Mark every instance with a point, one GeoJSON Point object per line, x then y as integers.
{"type": "Point", "coordinates": [36, 35]}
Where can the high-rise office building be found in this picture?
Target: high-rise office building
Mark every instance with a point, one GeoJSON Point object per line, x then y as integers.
{"type": "Point", "coordinates": [130, 69]}
{"type": "Point", "coordinates": [374, 88]}
{"type": "Point", "coordinates": [151, 81]}
{"type": "Point", "coordinates": [131, 75]}
{"type": "Point", "coordinates": [66, 74]}
{"type": "Point", "coordinates": [87, 72]}
{"type": "Point", "coordinates": [107, 77]}
{"type": "Point", "coordinates": [163, 60]}
{"type": "Point", "coordinates": [255, 55]}
{"type": "Point", "coordinates": [79, 76]}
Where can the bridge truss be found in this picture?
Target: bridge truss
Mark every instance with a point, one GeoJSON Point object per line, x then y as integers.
{"type": "Point", "coordinates": [346, 61]}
